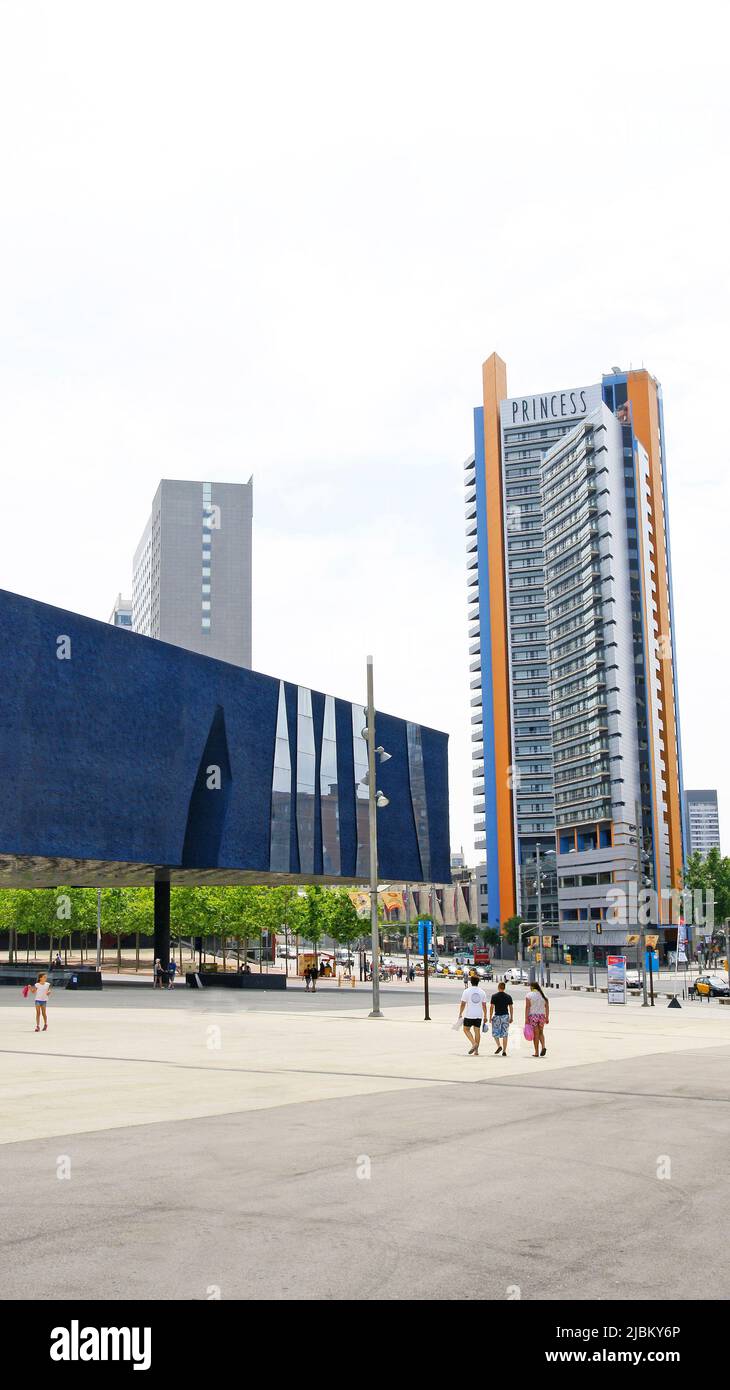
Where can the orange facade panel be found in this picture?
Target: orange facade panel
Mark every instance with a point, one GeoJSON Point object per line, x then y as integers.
{"type": "Point", "coordinates": [644, 398]}
{"type": "Point", "coordinates": [494, 384]}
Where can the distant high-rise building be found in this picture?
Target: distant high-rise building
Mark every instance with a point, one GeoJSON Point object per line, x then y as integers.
{"type": "Point", "coordinates": [702, 822]}
{"type": "Point", "coordinates": [121, 614]}
{"type": "Point", "coordinates": [192, 569]}
{"type": "Point", "coordinates": [575, 717]}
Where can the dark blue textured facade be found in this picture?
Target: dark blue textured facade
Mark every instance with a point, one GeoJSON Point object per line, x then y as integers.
{"type": "Point", "coordinates": [107, 741]}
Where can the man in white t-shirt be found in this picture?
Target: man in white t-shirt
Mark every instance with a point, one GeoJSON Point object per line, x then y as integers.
{"type": "Point", "coordinates": [473, 1009]}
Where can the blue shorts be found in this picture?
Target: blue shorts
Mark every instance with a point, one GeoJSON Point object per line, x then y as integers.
{"type": "Point", "coordinates": [500, 1025]}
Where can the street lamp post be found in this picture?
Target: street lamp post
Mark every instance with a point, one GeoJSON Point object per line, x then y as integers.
{"type": "Point", "coordinates": [373, 827]}
{"type": "Point", "coordinates": [639, 886]}
{"type": "Point", "coordinates": [408, 933]}
{"type": "Point", "coordinates": [538, 879]}
{"type": "Point", "coordinates": [538, 886]}
{"type": "Point", "coordinates": [376, 801]}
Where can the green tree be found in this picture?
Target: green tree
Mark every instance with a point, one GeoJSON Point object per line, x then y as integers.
{"type": "Point", "coordinates": [309, 915]}
{"type": "Point", "coordinates": [193, 912]}
{"type": "Point", "coordinates": [115, 916]}
{"type": "Point", "coordinates": [711, 874]}
{"type": "Point", "coordinates": [511, 930]}
{"type": "Point", "coordinates": [239, 911]}
{"type": "Point", "coordinates": [140, 904]}
{"type": "Point", "coordinates": [490, 936]}
{"type": "Point", "coordinates": [343, 923]}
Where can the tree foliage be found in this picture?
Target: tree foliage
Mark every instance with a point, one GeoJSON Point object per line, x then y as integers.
{"type": "Point", "coordinates": [711, 872]}
{"type": "Point", "coordinates": [239, 912]}
{"type": "Point", "coordinates": [511, 929]}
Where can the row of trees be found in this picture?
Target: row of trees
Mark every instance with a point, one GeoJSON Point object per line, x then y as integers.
{"type": "Point", "coordinates": [239, 913]}
{"type": "Point", "coordinates": [711, 873]}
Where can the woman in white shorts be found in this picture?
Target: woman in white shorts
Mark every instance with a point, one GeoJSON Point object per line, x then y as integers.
{"type": "Point", "coordinates": [41, 990]}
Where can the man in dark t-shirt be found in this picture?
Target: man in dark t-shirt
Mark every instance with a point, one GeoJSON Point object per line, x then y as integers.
{"type": "Point", "coordinates": [500, 1016]}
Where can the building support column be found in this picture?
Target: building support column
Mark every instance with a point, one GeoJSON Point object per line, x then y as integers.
{"type": "Point", "coordinates": [162, 920]}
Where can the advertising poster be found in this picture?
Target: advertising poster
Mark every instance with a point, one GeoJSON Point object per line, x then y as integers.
{"type": "Point", "coordinates": [616, 979]}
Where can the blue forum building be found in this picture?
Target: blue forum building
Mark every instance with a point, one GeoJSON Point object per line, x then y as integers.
{"type": "Point", "coordinates": [124, 760]}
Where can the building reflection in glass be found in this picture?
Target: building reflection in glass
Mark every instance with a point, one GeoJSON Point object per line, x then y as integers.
{"type": "Point", "coordinates": [360, 754]}
{"type": "Point", "coordinates": [329, 791]}
{"type": "Point", "coordinates": [417, 777]}
{"type": "Point", "coordinates": [305, 780]}
{"type": "Point", "coordinates": [281, 793]}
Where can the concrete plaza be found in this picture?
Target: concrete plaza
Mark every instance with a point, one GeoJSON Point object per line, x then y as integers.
{"type": "Point", "coordinates": [287, 1146]}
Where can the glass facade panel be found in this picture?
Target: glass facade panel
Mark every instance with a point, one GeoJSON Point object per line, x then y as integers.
{"type": "Point", "coordinates": [329, 791]}
{"type": "Point", "coordinates": [281, 793]}
{"type": "Point", "coordinates": [417, 777]}
{"type": "Point", "coordinates": [305, 780]}
{"type": "Point", "coordinates": [360, 754]}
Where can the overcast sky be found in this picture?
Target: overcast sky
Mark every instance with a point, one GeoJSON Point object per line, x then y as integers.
{"type": "Point", "coordinates": [280, 239]}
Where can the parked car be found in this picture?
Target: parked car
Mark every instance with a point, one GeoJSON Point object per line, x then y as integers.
{"type": "Point", "coordinates": [516, 976]}
{"type": "Point", "coordinates": [712, 986]}
{"type": "Point", "coordinates": [633, 979]}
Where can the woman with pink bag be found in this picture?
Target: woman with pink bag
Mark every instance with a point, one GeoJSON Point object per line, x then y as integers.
{"type": "Point", "coordinates": [537, 1015]}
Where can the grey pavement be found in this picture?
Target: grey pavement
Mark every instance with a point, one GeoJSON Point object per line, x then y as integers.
{"type": "Point", "coordinates": [546, 1181]}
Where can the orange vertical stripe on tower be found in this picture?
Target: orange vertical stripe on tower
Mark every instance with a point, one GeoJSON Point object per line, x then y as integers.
{"type": "Point", "coordinates": [494, 383]}
{"type": "Point", "coordinates": [642, 392]}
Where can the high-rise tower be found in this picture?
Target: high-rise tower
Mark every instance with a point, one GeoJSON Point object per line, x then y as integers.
{"type": "Point", "coordinates": [192, 569]}
{"type": "Point", "coordinates": [575, 719]}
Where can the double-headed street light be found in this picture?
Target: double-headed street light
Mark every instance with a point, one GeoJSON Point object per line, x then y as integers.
{"type": "Point", "coordinates": [377, 801]}
{"type": "Point", "coordinates": [548, 853]}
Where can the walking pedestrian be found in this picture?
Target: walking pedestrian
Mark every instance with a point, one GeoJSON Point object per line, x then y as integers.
{"type": "Point", "coordinates": [537, 1015]}
{"type": "Point", "coordinates": [307, 977]}
{"type": "Point", "coordinates": [314, 975]}
{"type": "Point", "coordinates": [473, 1008]}
{"type": "Point", "coordinates": [159, 975]}
{"type": "Point", "coordinates": [171, 969]}
{"type": "Point", "coordinates": [41, 990]}
{"type": "Point", "coordinates": [501, 1014]}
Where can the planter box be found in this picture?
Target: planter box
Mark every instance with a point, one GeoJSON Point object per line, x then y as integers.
{"type": "Point", "coordinates": [231, 981]}
{"type": "Point", "coordinates": [82, 978]}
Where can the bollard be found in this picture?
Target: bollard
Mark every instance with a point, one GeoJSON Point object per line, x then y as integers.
{"type": "Point", "coordinates": [352, 982]}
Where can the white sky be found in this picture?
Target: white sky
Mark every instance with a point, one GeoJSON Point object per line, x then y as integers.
{"type": "Point", "coordinates": [280, 239]}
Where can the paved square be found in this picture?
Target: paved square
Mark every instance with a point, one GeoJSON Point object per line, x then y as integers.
{"type": "Point", "coordinates": [290, 1147]}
